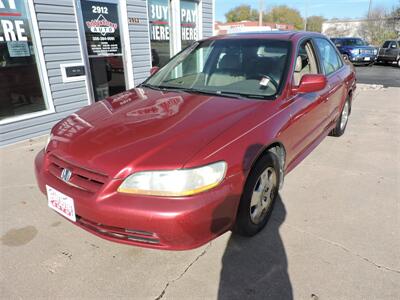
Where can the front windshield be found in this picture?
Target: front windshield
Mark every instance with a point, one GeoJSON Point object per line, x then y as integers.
{"type": "Point", "coordinates": [354, 42]}
{"type": "Point", "coordinates": [246, 67]}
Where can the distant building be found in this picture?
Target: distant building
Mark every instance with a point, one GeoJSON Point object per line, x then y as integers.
{"type": "Point", "coordinates": [343, 28]}
{"type": "Point", "coordinates": [358, 27]}
{"type": "Point", "coordinates": [246, 26]}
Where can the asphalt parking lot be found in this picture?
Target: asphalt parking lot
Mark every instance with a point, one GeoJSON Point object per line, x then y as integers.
{"type": "Point", "coordinates": [334, 233]}
{"type": "Point", "coordinates": [386, 75]}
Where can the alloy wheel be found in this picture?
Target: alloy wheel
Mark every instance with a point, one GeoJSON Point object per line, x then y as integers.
{"type": "Point", "coordinates": [345, 116]}
{"type": "Point", "coordinates": [263, 195]}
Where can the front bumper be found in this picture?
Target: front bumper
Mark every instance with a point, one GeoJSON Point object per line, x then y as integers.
{"type": "Point", "coordinates": [153, 222]}
{"type": "Point", "coordinates": [362, 58]}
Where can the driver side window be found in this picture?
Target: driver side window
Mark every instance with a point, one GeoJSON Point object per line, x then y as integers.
{"type": "Point", "coordinates": [305, 62]}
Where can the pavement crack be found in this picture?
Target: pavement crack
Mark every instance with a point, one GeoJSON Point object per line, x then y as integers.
{"type": "Point", "coordinates": [161, 295]}
{"type": "Point", "coordinates": [344, 248]}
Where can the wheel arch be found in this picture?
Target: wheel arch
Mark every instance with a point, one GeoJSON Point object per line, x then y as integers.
{"type": "Point", "coordinates": [279, 150]}
{"type": "Point", "coordinates": [350, 95]}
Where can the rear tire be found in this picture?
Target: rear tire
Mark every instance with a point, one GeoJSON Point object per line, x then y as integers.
{"type": "Point", "coordinates": [259, 195]}
{"type": "Point", "coordinates": [341, 123]}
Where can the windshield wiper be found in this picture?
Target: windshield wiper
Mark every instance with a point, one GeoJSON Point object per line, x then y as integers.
{"type": "Point", "coordinates": [150, 86]}
{"type": "Point", "coordinates": [241, 95]}
{"type": "Point", "coordinates": [205, 92]}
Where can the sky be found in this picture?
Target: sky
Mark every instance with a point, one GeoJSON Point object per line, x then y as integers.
{"type": "Point", "coordinates": [326, 8]}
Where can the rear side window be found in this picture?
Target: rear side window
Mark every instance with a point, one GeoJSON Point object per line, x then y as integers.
{"type": "Point", "coordinates": [330, 60]}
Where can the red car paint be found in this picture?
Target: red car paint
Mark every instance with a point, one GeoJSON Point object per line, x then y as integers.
{"type": "Point", "coordinates": [145, 129]}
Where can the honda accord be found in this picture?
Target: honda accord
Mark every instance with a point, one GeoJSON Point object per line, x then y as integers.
{"type": "Point", "coordinates": [203, 145]}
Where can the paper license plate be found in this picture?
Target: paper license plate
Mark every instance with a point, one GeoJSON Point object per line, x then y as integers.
{"type": "Point", "coordinates": [367, 58]}
{"type": "Point", "coordinates": [61, 203]}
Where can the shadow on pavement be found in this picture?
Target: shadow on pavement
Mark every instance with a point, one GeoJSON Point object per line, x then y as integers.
{"type": "Point", "coordinates": [256, 268]}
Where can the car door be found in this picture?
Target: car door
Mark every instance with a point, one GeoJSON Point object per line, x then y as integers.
{"type": "Point", "coordinates": [392, 51]}
{"type": "Point", "coordinates": [384, 49]}
{"type": "Point", "coordinates": [307, 111]}
{"type": "Point", "coordinates": [335, 88]}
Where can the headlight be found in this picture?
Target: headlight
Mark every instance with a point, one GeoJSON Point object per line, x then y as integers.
{"type": "Point", "coordinates": [375, 51]}
{"type": "Point", "coordinates": [355, 51]}
{"type": "Point", "coordinates": [47, 142]}
{"type": "Point", "coordinates": [182, 182]}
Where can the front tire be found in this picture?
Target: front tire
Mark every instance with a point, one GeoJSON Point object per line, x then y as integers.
{"type": "Point", "coordinates": [259, 195]}
{"type": "Point", "coordinates": [341, 123]}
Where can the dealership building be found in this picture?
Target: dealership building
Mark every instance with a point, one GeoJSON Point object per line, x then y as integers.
{"type": "Point", "coordinates": [57, 56]}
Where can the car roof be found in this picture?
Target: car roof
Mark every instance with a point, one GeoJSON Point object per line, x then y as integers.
{"type": "Point", "coordinates": [279, 35]}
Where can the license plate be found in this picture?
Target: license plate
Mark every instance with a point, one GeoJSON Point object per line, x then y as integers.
{"type": "Point", "coordinates": [61, 203]}
{"type": "Point", "coordinates": [367, 58]}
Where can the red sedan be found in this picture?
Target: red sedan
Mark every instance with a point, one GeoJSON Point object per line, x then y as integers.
{"type": "Point", "coordinates": [203, 145]}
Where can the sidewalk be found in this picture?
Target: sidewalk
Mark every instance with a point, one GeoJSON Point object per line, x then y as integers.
{"type": "Point", "coordinates": [335, 233]}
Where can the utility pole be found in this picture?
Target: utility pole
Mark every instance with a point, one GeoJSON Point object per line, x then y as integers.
{"type": "Point", "coordinates": [306, 13]}
{"type": "Point", "coordinates": [260, 14]}
{"type": "Point", "coordinates": [369, 9]}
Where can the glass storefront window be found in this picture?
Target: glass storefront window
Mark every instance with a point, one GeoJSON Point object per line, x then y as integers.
{"type": "Point", "coordinates": [20, 84]}
{"type": "Point", "coordinates": [189, 22]}
{"type": "Point", "coordinates": [159, 18]}
{"type": "Point", "coordinates": [104, 47]}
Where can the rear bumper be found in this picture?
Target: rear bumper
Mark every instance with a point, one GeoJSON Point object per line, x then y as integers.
{"type": "Point", "coordinates": [153, 222]}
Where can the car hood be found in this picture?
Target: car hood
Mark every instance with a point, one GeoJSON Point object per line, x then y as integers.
{"type": "Point", "coordinates": [145, 129]}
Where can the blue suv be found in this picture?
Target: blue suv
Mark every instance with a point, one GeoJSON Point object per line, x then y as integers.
{"type": "Point", "coordinates": [356, 50]}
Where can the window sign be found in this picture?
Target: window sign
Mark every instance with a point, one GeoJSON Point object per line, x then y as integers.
{"type": "Point", "coordinates": [101, 28]}
{"type": "Point", "coordinates": [159, 18]}
{"type": "Point", "coordinates": [20, 85]}
{"type": "Point", "coordinates": [104, 47]}
{"type": "Point", "coordinates": [18, 49]}
{"type": "Point", "coordinates": [189, 22]}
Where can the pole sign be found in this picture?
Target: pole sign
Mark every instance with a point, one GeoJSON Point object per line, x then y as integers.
{"type": "Point", "coordinates": [101, 24]}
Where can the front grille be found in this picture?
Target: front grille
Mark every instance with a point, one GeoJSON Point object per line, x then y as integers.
{"type": "Point", "coordinates": [367, 51]}
{"type": "Point", "coordinates": [82, 178]}
{"type": "Point", "coordinates": [119, 233]}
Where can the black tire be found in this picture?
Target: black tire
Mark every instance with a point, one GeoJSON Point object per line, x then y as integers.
{"type": "Point", "coordinates": [245, 224]}
{"type": "Point", "coordinates": [340, 128]}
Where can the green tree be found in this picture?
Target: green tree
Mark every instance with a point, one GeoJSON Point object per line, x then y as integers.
{"type": "Point", "coordinates": [241, 13]}
{"type": "Point", "coordinates": [314, 23]}
{"type": "Point", "coordinates": [285, 14]}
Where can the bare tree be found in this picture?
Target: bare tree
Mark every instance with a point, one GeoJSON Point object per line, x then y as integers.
{"type": "Point", "coordinates": [380, 26]}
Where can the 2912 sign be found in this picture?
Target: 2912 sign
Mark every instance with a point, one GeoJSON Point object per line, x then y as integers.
{"type": "Point", "coordinates": [100, 9]}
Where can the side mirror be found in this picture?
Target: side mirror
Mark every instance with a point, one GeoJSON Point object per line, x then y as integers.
{"type": "Point", "coordinates": [310, 83]}
{"type": "Point", "coordinates": [345, 57]}
{"type": "Point", "coordinates": [154, 70]}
